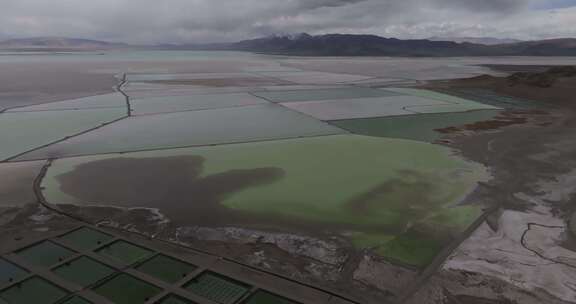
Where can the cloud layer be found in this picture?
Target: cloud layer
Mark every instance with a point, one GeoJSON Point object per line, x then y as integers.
{"type": "Point", "coordinates": [177, 21]}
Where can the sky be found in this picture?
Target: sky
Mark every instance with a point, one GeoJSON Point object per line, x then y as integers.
{"type": "Point", "coordinates": [202, 21]}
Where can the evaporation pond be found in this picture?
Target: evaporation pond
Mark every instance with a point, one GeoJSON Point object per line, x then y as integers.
{"type": "Point", "coordinates": [417, 127]}
{"type": "Point", "coordinates": [306, 77]}
{"type": "Point", "coordinates": [361, 107]}
{"type": "Point", "coordinates": [250, 123]}
{"type": "Point", "coordinates": [126, 289]}
{"type": "Point", "coordinates": [495, 99]}
{"type": "Point", "coordinates": [32, 291]}
{"type": "Point", "coordinates": [263, 297]}
{"type": "Point", "coordinates": [125, 252]}
{"type": "Point", "coordinates": [384, 185]}
{"type": "Point", "coordinates": [172, 299]}
{"type": "Point", "coordinates": [44, 254]}
{"type": "Point", "coordinates": [115, 100]}
{"type": "Point", "coordinates": [217, 288]}
{"type": "Point", "coordinates": [325, 94]}
{"type": "Point", "coordinates": [192, 102]}
{"type": "Point", "coordinates": [85, 238]}
{"type": "Point", "coordinates": [20, 132]}
{"type": "Point", "coordinates": [76, 300]}
{"type": "Point", "coordinates": [166, 268]}
{"type": "Point", "coordinates": [83, 271]}
{"type": "Point", "coordinates": [9, 272]}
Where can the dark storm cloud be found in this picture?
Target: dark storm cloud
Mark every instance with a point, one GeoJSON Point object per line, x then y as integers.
{"type": "Point", "coordinates": [152, 21]}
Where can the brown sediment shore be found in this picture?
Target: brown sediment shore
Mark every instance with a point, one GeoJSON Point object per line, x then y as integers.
{"type": "Point", "coordinates": [24, 84]}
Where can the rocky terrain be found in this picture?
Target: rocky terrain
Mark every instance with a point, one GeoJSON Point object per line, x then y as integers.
{"type": "Point", "coordinates": [525, 252]}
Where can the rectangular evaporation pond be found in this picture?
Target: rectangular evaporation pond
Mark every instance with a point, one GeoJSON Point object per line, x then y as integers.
{"type": "Point", "coordinates": [32, 291]}
{"type": "Point", "coordinates": [125, 252]}
{"type": "Point", "coordinates": [217, 288]}
{"type": "Point", "coordinates": [172, 299]}
{"type": "Point", "coordinates": [20, 132]}
{"type": "Point", "coordinates": [327, 94]}
{"type": "Point", "coordinates": [263, 297]}
{"type": "Point", "coordinates": [420, 127]}
{"type": "Point", "coordinates": [116, 100]}
{"type": "Point", "coordinates": [447, 108]}
{"type": "Point", "coordinates": [85, 238]}
{"type": "Point", "coordinates": [492, 98]}
{"type": "Point", "coordinates": [442, 97]}
{"type": "Point", "coordinates": [193, 102]}
{"type": "Point", "coordinates": [314, 77]}
{"type": "Point", "coordinates": [188, 76]}
{"type": "Point", "coordinates": [44, 254]}
{"type": "Point", "coordinates": [76, 300]}
{"type": "Point", "coordinates": [126, 289]}
{"type": "Point", "coordinates": [10, 272]}
{"type": "Point", "coordinates": [195, 128]}
{"type": "Point", "coordinates": [271, 69]}
{"type": "Point", "coordinates": [83, 271]}
{"type": "Point", "coordinates": [167, 269]}
{"type": "Point", "coordinates": [360, 108]}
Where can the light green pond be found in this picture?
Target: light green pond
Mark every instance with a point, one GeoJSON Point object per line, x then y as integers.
{"type": "Point", "coordinates": [20, 132]}
{"type": "Point", "coordinates": [371, 190]}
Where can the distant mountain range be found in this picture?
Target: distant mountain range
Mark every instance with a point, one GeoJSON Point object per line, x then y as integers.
{"type": "Point", "coordinates": [43, 43]}
{"type": "Point", "coordinates": [328, 45]}
{"type": "Point", "coordinates": [476, 40]}
{"type": "Point", "coordinates": [371, 45]}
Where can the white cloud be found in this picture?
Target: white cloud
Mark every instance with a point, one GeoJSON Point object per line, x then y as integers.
{"type": "Point", "coordinates": [152, 21]}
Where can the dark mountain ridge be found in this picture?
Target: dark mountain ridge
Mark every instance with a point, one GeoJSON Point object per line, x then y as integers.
{"type": "Point", "coordinates": [372, 45]}
{"type": "Point", "coordinates": [322, 45]}
{"type": "Point", "coordinates": [42, 43]}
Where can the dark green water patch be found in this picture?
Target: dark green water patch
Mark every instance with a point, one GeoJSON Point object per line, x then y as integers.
{"type": "Point", "coordinates": [86, 238]}
{"type": "Point", "coordinates": [422, 127]}
{"type": "Point", "coordinates": [126, 289]}
{"type": "Point", "coordinates": [44, 254]}
{"type": "Point", "coordinates": [263, 297]}
{"type": "Point", "coordinates": [166, 268]}
{"type": "Point", "coordinates": [125, 252]}
{"type": "Point", "coordinates": [32, 291]}
{"type": "Point", "coordinates": [172, 299]}
{"type": "Point", "coordinates": [83, 271]}
{"type": "Point", "coordinates": [76, 300]}
{"type": "Point", "coordinates": [10, 272]}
